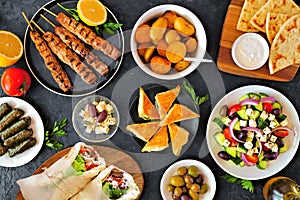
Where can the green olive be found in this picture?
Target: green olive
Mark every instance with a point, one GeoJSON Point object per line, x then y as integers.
{"type": "Point", "coordinates": [188, 185]}
{"type": "Point", "coordinates": [195, 187]}
{"type": "Point", "coordinates": [203, 189]}
{"type": "Point", "coordinates": [194, 195]}
{"type": "Point", "coordinates": [177, 191]}
{"type": "Point", "coordinates": [177, 181]}
{"type": "Point", "coordinates": [170, 188]}
{"type": "Point", "coordinates": [188, 179]}
{"type": "Point", "coordinates": [181, 171]}
{"type": "Point", "coordinates": [193, 171]}
{"type": "Point", "coordinates": [172, 36]}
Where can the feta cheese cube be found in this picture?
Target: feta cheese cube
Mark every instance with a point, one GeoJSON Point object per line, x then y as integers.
{"type": "Point", "coordinates": [263, 138]}
{"type": "Point", "coordinates": [273, 138]}
{"type": "Point", "coordinates": [108, 108]}
{"type": "Point", "coordinates": [248, 145]}
{"type": "Point", "coordinates": [227, 121]}
{"type": "Point", "coordinates": [243, 123]}
{"type": "Point", "coordinates": [226, 143]}
{"type": "Point", "coordinates": [258, 134]}
{"type": "Point", "coordinates": [251, 134]}
{"type": "Point", "coordinates": [249, 111]}
{"type": "Point", "coordinates": [101, 106]}
{"type": "Point", "coordinates": [111, 121]}
{"type": "Point", "coordinates": [271, 117]}
{"type": "Point", "coordinates": [264, 115]}
{"type": "Point", "coordinates": [268, 145]}
{"type": "Point", "coordinates": [250, 152]}
{"type": "Point", "coordinates": [255, 150]}
{"type": "Point", "coordinates": [252, 123]}
{"type": "Point", "coordinates": [274, 148]}
{"type": "Point", "coordinates": [284, 123]}
{"type": "Point", "coordinates": [267, 130]}
{"type": "Point", "coordinates": [273, 124]}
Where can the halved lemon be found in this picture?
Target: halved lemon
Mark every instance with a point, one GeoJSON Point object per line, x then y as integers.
{"type": "Point", "coordinates": [11, 48]}
{"type": "Point", "coordinates": [92, 12]}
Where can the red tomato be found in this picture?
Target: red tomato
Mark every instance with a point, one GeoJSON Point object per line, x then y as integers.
{"type": "Point", "coordinates": [82, 150]}
{"type": "Point", "coordinates": [281, 133]}
{"type": "Point", "coordinates": [253, 158]}
{"type": "Point", "coordinates": [233, 109]}
{"type": "Point", "coordinates": [267, 107]}
{"type": "Point", "coordinates": [15, 81]}
{"type": "Point", "coordinates": [89, 166]}
{"type": "Point", "coordinates": [228, 136]}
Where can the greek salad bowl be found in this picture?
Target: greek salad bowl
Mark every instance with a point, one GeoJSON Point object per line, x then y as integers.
{"type": "Point", "coordinates": [95, 118]}
{"type": "Point", "coordinates": [253, 132]}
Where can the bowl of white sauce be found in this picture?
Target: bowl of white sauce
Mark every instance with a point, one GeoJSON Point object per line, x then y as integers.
{"type": "Point", "coordinates": [250, 51]}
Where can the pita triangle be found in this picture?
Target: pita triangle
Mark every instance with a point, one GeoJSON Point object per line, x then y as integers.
{"type": "Point", "coordinates": [158, 142]}
{"type": "Point", "coordinates": [143, 131]}
{"type": "Point", "coordinates": [179, 137]}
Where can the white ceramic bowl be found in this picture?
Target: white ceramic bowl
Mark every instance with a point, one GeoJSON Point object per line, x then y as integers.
{"type": "Point", "coordinates": [273, 167]}
{"type": "Point", "coordinates": [188, 15]}
{"type": "Point", "coordinates": [209, 178]}
{"type": "Point", "coordinates": [250, 46]}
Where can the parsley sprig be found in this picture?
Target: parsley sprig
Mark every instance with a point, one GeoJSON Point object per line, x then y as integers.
{"type": "Point", "coordinates": [191, 91]}
{"type": "Point", "coordinates": [246, 184]}
{"type": "Point", "coordinates": [72, 11]}
{"type": "Point", "coordinates": [57, 131]}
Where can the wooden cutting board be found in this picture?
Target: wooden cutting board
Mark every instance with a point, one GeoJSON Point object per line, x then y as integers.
{"type": "Point", "coordinates": [229, 35]}
{"type": "Point", "coordinates": [111, 156]}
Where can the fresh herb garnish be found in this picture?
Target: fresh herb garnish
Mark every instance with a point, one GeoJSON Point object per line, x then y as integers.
{"type": "Point", "coordinates": [246, 184]}
{"type": "Point", "coordinates": [191, 91]}
{"type": "Point", "coordinates": [111, 27]}
{"type": "Point", "coordinates": [57, 131]}
{"type": "Point", "coordinates": [71, 11]}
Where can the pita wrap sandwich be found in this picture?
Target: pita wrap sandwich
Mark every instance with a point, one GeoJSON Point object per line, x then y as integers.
{"type": "Point", "coordinates": [66, 177]}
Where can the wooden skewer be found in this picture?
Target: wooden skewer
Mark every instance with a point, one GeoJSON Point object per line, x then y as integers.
{"type": "Point", "coordinates": [47, 20]}
{"type": "Point", "coordinates": [50, 12]}
{"type": "Point", "coordinates": [26, 19]}
{"type": "Point", "coordinates": [38, 27]}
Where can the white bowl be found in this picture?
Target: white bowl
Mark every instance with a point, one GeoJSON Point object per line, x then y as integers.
{"type": "Point", "coordinates": [250, 51]}
{"type": "Point", "coordinates": [209, 178]}
{"type": "Point", "coordinates": [273, 167]}
{"type": "Point", "coordinates": [188, 15]}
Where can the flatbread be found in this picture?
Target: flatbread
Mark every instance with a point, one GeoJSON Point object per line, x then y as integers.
{"type": "Point", "coordinates": [159, 141]}
{"type": "Point", "coordinates": [273, 24]}
{"type": "Point", "coordinates": [288, 7]}
{"type": "Point", "coordinates": [285, 50]}
{"type": "Point", "coordinates": [144, 131]}
{"type": "Point", "coordinates": [179, 137]}
{"type": "Point", "coordinates": [250, 7]}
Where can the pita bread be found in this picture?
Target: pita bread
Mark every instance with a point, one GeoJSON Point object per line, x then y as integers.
{"type": "Point", "coordinates": [158, 142]}
{"type": "Point", "coordinates": [146, 109]}
{"type": "Point", "coordinates": [144, 131]}
{"type": "Point", "coordinates": [273, 23]}
{"type": "Point", "coordinates": [250, 7]}
{"type": "Point", "coordinates": [285, 49]}
{"type": "Point", "coordinates": [164, 100]}
{"type": "Point", "coordinates": [178, 113]}
{"type": "Point", "coordinates": [179, 137]}
{"type": "Point", "coordinates": [288, 7]}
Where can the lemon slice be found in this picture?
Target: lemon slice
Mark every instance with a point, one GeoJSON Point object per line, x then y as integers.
{"type": "Point", "coordinates": [91, 12]}
{"type": "Point", "coordinates": [11, 48]}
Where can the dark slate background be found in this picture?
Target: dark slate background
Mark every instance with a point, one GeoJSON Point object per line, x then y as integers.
{"type": "Point", "coordinates": [52, 107]}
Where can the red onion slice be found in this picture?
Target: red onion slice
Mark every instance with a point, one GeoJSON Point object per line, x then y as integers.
{"type": "Point", "coordinates": [249, 102]}
{"type": "Point", "coordinates": [285, 128]}
{"type": "Point", "coordinates": [252, 129]}
{"type": "Point", "coordinates": [260, 146]}
{"type": "Point", "coordinates": [231, 125]}
{"type": "Point", "coordinates": [269, 99]}
{"type": "Point", "coordinates": [247, 163]}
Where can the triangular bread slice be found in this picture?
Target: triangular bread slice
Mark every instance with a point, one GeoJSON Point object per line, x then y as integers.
{"type": "Point", "coordinates": [288, 7]}
{"type": "Point", "coordinates": [178, 113]}
{"type": "Point", "coordinates": [144, 131]}
{"type": "Point", "coordinates": [273, 24]}
{"type": "Point", "coordinates": [250, 7]}
{"type": "Point", "coordinates": [146, 110]}
{"type": "Point", "coordinates": [285, 49]}
{"type": "Point", "coordinates": [179, 137]}
{"type": "Point", "coordinates": [164, 100]}
{"type": "Point", "coordinates": [159, 141]}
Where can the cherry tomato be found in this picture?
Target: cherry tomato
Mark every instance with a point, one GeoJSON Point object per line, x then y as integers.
{"type": "Point", "coordinates": [233, 109]}
{"type": "Point", "coordinates": [281, 133]}
{"type": "Point", "coordinates": [228, 136]}
{"type": "Point", "coordinates": [253, 158]}
{"type": "Point", "coordinates": [15, 81]}
{"type": "Point", "coordinates": [267, 107]}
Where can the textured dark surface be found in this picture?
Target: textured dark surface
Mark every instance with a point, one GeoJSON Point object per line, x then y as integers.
{"type": "Point", "coordinates": [52, 107]}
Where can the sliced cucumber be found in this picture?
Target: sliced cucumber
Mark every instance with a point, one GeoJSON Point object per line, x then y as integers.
{"type": "Point", "coordinates": [262, 164]}
{"type": "Point", "coordinates": [255, 115]}
{"type": "Point", "coordinates": [237, 126]}
{"type": "Point", "coordinates": [242, 114]}
{"type": "Point", "coordinates": [284, 148]}
{"type": "Point", "coordinates": [246, 96]}
{"type": "Point", "coordinates": [231, 151]}
{"type": "Point", "coordinates": [219, 123]}
{"type": "Point", "coordinates": [220, 138]}
{"type": "Point", "coordinates": [263, 95]}
{"type": "Point", "coordinates": [261, 123]}
{"type": "Point", "coordinates": [241, 148]}
{"type": "Point", "coordinates": [259, 107]}
{"type": "Point", "coordinates": [242, 164]}
{"type": "Point", "coordinates": [261, 156]}
{"type": "Point", "coordinates": [281, 117]}
{"type": "Point", "coordinates": [254, 96]}
{"type": "Point", "coordinates": [236, 161]}
{"type": "Point", "coordinates": [276, 105]}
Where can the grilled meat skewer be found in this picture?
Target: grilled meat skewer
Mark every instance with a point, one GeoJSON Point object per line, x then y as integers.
{"type": "Point", "coordinates": [88, 36]}
{"type": "Point", "coordinates": [70, 58]}
{"type": "Point", "coordinates": [57, 72]}
{"type": "Point", "coordinates": [74, 43]}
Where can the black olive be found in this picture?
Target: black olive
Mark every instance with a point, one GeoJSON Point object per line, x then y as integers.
{"type": "Point", "coordinates": [242, 135]}
{"type": "Point", "coordinates": [224, 155]}
{"type": "Point", "coordinates": [199, 180]}
{"type": "Point", "coordinates": [280, 142]}
{"type": "Point", "coordinates": [92, 110]}
{"type": "Point", "coordinates": [185, 197]}
{"type": "Point", "coordinates": [271, 155]}
{"type": "Point", "coordinates": [277, 112]}
{"type": "Point", "coordinates": [102, 116]}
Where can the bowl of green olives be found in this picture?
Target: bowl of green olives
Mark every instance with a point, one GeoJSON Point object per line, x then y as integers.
{"type": "Point", "coordinates": [188, 180]}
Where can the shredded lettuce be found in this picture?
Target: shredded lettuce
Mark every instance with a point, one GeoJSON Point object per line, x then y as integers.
{"type": "Point", "coordinates": [79, 164]}
{"type": "Point", "coordinates": [113, 193]}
